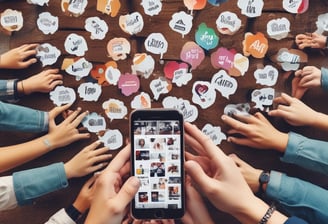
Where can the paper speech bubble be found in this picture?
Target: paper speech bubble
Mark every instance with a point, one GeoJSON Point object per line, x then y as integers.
{"type": "Point", "coordinates": [290, 59]}
{"type": "Point", "coordinates": [141, 101]}
{"type": "Point", "coordinates": [322, 23]}
{"type": "Point", "coordinates": [203, 94]}
{"type": "Point", "coordinates": [263, 98]}
{"type": "Point", "coordinates": [255, 45]}
{"type": "Point", "coordinates": [295, 6]}
{"type": "Point", "coordinates": [112, 139]}
{"type": "Point", "coordinates": [80, 68]}
{"type": "Point", "coordinates": [94, 123]}
{"type": "Point", "coordinates": [75, 44]}
{"type": "Point", "coordinates": [156, 44]}
{"type": "Point", "coordinates": [47, 23]}
{"type": "Point", "coordinates": [251, 8]}
{"type": "Point", "coordinates": [114, 109]}
{"type": "Point", "coordinates": [11, 20]}
{"type": "Point", "coordinates": [189, 112]}
{"type": "Point", "coordinates": [159, 86]}
{"type": "Point", "coordinates": [129, 84]}
{"type": "Point", "coordinates": [181, 22]}
{"type": "Point", "coordinates": [62, 95]}
{"type": "Point", "coordinates": [97, 27]}
{"type": "Point", "coordinates": [118, 48]}
{"type": "Point", "coordinates": [223, 58]}
{"type": "Point", "coordinates": [89, 91]}
{"type": "Point", "coordinates": [47, 54]}
{"type": "Point", "coordinates": [143, 65]}
{"type": "Point", "coordinates": [112, 75]}
{"type": "Point", "coordinates": [240, 109]}
{"type": "Point", "coordinates": [241, 63]}
{"type": "Point", "coordinates": [224, 83]}
{"type": "Point", "coordinates": [192, 53]}
{"type": "Point", "coordinates": [206, 37]}
{"type": "Point", "coordinates": [215, 133]}
{"type": "Point", "coordinates": [194, 4]}
{"type": "Point", "coordinates": [178, 72]}
{"type": "Point", "coordinates": [152, 7]}
{"type": "Point", "coordinates": [131, 23]}
{"type": "Point", "coordinates": [278, 28]}
{"type": "Point", "coordinates": [38, 2]}
{"type": "Point", "coordinates": [228, 23]}
{"type": "Point", "coordinates": [266, 76]}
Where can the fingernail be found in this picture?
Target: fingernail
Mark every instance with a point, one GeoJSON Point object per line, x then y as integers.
{"type": "Point", "coordinates": [134, 181]}
{"type": "Point", "coordinates": [223, 117]}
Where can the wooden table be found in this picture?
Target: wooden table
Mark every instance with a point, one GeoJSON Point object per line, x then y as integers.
{"type": "Point", "coordinates": [45, 206]}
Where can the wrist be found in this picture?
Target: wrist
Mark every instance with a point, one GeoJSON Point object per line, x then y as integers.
{"type": "Point", "coordinates": [280, 141]}
{"type": "Point", "coordinates": [80, 205]}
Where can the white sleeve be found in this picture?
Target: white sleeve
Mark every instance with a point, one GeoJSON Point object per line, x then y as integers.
{"type": "Point", "coordinates": [7, 194]}
{"type": "Point", "coordinates": [60, 217]}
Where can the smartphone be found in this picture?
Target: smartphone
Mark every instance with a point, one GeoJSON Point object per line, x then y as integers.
{"type": "Point", "coordinates": [157, 159]}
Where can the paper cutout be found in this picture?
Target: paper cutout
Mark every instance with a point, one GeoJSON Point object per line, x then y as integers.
{"type": "Point", "coordinates": [266, 76]}
{"type": "Point", "coordinates": [11, 20]}
{"type": "Point", "coordinates": [98, 72]}
{"type": "Point", "coordinates": [38, 2]}
{"type": "Point", "coordinates": [263, 98]}
{"type": "Point", "coordinates": [47, 23]}
{"type": "Point", "coordinates": [80, 68]}
{"type": "Point", "coordinates": [112, 75]}
{"type": "Point", "coordinates": [62, 95]}
{"type": "Point", "coordinates": [278, 28]}
{"type": "Point", "coordinates": [241, 65]}
{"type": "Point", "coordinates": [89, 91]}
{"type": "Point", "coordinates": [114, 109]}
{"type": "Point", "coordinates": [223, 58]}
{"type": "Point", "coordinates": [156, 44]}
{"type": "Point", "coordinates": [240, 109]}
{"type": "Point", "coordinates": [216, 2]}
{"type": "Point", "coordinates": [224, 83]}
{"type": "Point", "coordinates": [141, 101]}
{"type": "Point", "coordinates": [203, 94]}
{"type": "Point", "coordinates": [75, 44]}
{"type": "Point", "coordinates": [181, 22]}
{"type": "Point", "coordinates": [152, 7]}
{"type": "Point", "coordinates": [97, 27]}
{"type": "Point", "coordinates": [94, 122]}
{"type": "Point", "coordinates": [118, 48]}
{"type": "Point", "coordinates": [189, 112]}
{"type": "Point", "coordinates": [129, 84]}
{"type": "Point", "coordinates": [47, 54]}
{"type": "Point", "coordinates": [206, 37]}
{"type": "Point", "coordinates": [251, 8]}
{"type": "Point", "coordinates": [290, 59]}
{"type": "Point", "coordinates": [295, 6]}
{"type": "Point", "coordinates": [109, 7]}
{"type": "Point", "coordinates": [215, 133]}
{"type": "Point", "coordinates": [178, 72]}
{"type": "Point", "coordinates": [112, 139]}
{"type": "Point", "coordinates": [74, 8]}
{"type": "Point", "coordinates": [143, 65]}
{"type": "Point", "coordinates": [255, 45]}
{"type": "Point", "coordinates": [131, 23]}
{"type": "Point", "coordinates": [228, 23]}
{"type": "Point", "coordinates": [192, 54]}
{"type": "Point", "coordinates": [160, 86]}
{"type": "Point", "coordinates": [194, 4]}
{"type": "Point", "coordinates": [322, 24]}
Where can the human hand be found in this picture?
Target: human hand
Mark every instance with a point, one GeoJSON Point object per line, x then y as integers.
{"type": "Point", "coordinates": [43, 82]}
{"type": "Point", "coordinates": [88, 160]}
{"type": "Point", "coordinates": [258, 132]}
{"type": "Point", "coordinates": [66, 132]}
{"type": "Point", "coordinates": [294, 111]}
{"type": "Point", "coordinates": [313, 40]}
{"type": "Point", "coordinates": [306, 78]}
{"type": "Point", "coordinates": [250, 174]}
{"type": "Point", "coordinates": [110, 202]}
{"type": "Point", "coordinates": [17, 58]}
{"type": "Point", "coordinates": [130, 220]}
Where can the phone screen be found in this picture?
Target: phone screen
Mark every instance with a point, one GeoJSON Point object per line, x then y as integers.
{"type": "Point", "coordinates": [157, 160]}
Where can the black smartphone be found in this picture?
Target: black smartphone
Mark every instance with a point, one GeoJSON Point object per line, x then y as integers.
{"type": "Point", "coordinates": [157, 159]}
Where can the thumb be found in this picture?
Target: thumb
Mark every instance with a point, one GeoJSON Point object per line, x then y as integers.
{"type": "Point", "coordinates": [58, 110]}
{"type": "Point", "coordinates": [127, 192]}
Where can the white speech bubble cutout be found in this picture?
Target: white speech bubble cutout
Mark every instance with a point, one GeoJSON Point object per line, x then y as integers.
{"type": "Point", "coordinates": [89, 91]}
{"type": "Point", "coordinates": [97, 27]}
{"type": "Point", "coordinates": [203, 94]}
{"type": "Point", "coordinates": [266, 76]}
{"type": "Point", "coordinates": [112, 75]}
{"type": "Point", "coordinates": [278, 28]}
{"type": "Point", "coordinates": [77, 7]}
{"type": "Point", "coordinates": [156, 44]}
{"type": "Point", "coordinates": [112, 139]}
{"type": "Point", "coordinates": [94, 122]}
{"type": "Point", "coordinates": [152, 7]}
{"type": "Point", "coordinates": [141, 101]}
{"type": "Point", "coordinates": [47, 54]}
{"type": "Point", "coordinates": [263, 98]}
{"type": "Point", "coordinates": [251, 8]}
{"type": "Point", "coordinates": [292, 6]}
{"type": "Point", "coordinates": [215, 133]}
{"type": "Point", "coordinates": [189, 112]}
{"type": "Point", "coordinates": [143, 65]}
{"type": "Point", "coordinates": [228, 23]}
{"type": "Point", "coordinates": [181, 77]}
{"type": "Point", "coordinates": [38, 2]}
{"type": "Point", "coordinates": [322, 23]}
{"type": "Point", "coordinates": [288, 61]}
{"type": "Point", "coordinates": [62, 95]}
{"type": "Point", "coordinates": [11, 20]}
{"type": "Point", "coordinates": [240, 109]}
{"type": "Point", "coordinates": [114, 109]}
{"type": "Point", "coordinates": [181, 22]}
{"type": "Point", "coordinates": [80, 68]}
{"type": "Point", "coordinates": [241, 63]}
{"type": "Point", "coordinates": [75, 44]}
{"type": "Point", "coordinates": [224, 83]}
{"type": "Point", "coordinates": [159, 86]}
{"type": "Point", "coordinates": [47, 23]}
{"type": "Point", "coordinates": [131, 23]}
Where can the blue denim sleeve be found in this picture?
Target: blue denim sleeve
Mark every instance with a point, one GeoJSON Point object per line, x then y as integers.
{"type": "Point", "coordinates": [295, 220]}
{"type": "Point", "coordinates": [299, 198]}
{"type": "Point", "coordinates": [324, 78]}
{"type": "Point", "coordinates": [8, 90]}
{"type": "Point", "coordinates": [18, 118]}
{"type": "Point", "coordinates": [308, 153]}
{"type": "Point", "coordinates": [33, 183]}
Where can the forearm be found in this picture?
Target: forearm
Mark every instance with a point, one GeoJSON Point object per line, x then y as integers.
{"type": "Point", "coordinates": [321, 121]}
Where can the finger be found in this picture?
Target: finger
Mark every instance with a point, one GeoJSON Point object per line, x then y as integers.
{"type": "Point", "coordinates": [300, 92]}
{"type": "Point", "coordinates": [79, 118]}
{"type": "Point", "coordinates": [27, 47]}
{"type": "Point", "coordinates": [125, 170]}
{"type": "Point", "coordinates": [189, 156]}
{"type": "Point", "coordinates": [101, 158]}
{"type": "Point", "coordinates": [58, 110]}
{"type": "Point", "coordinates": [55, 83]}
{"type": "Point", "coordinates": [127, 192]}
{"type": "Point", "coordinates": [91, 181]}
{"type": "Point", "coordinates": [100, 151]}
{"type": "Point", "coordinates": [120, 159]}
{"type": "Point", "coordinates": [28, 62]}
{"type": "Point", "coordinates": [240, 141]}
{"type": "Point", "coordinates": [239, 162]}
{"type": "Point", "coordinates": [288, 99]}
{"type": "Point", "coordinates": [97, 167]}
{"type": "Point", "coordinates": [194, 144]}
{"type": "Point", "coordinates": [187, 218]}
{"type": "Point", "coordinates": [279, 113]}
{"type": "Point", "coordinates": [238, 126]}
{"type": "Point", "coordinates": [81, 136]}
{"type": "Point", "coordinates": [298, 72]}
{"type": "Point", "coordinates": [56, 77]}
